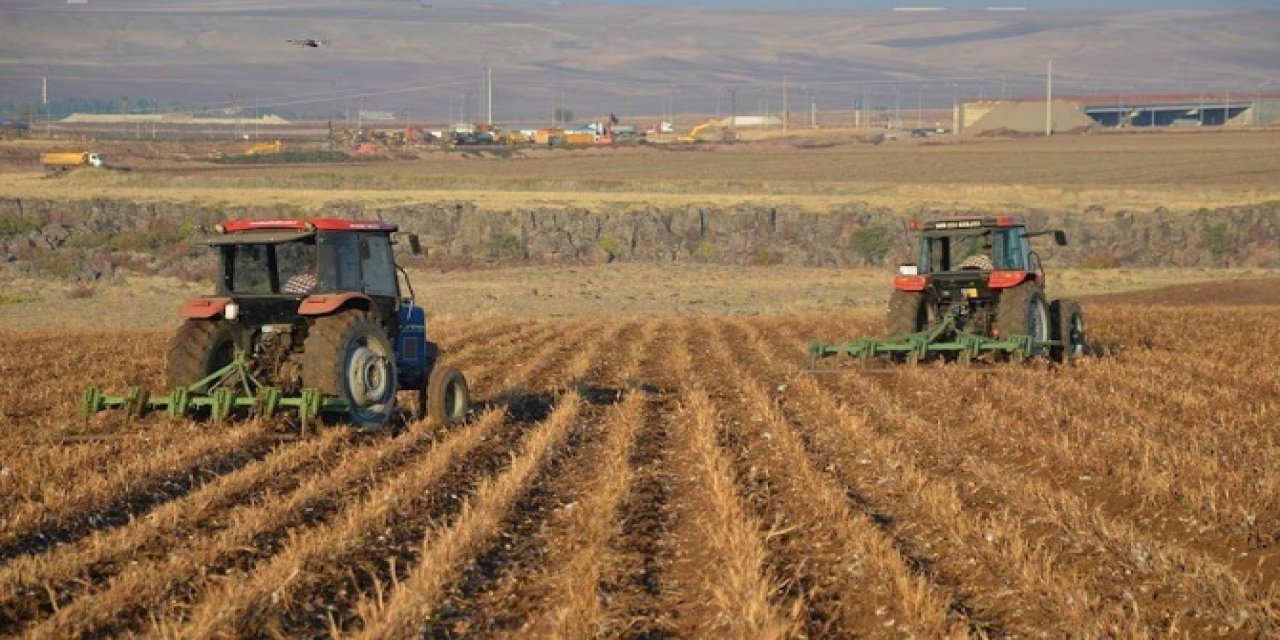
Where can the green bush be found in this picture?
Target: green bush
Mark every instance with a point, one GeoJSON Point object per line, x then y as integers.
{"type": "Point", "coordinates": [611, 246]}
{"type": "Point", "coordinates": [1216, 239]}
{"type": "Point", "coordinates": [285, 156]}
{"type": "Point", "coordinates": [872, 244]}
{"type": "Point", "coordinates": [504, 246]}
{"type": "Point", "coordinates": [11, 225]}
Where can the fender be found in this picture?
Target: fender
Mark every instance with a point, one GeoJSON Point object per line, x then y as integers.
{"type": "Point", "coordinates": [319, 305]}
{"type": "Point", "coordinates": [202, 308]}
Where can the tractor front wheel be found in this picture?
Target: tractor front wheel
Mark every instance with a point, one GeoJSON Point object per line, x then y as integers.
{"type": "Point", "coordinates": [200, 348]}
{"type": "Point", "coordinates": [1022, 312]}
{"type": "Point", "coordinates": [448, 398]}
{"type": "Point", "coordinates": [349, 356]}
{"type": "Point", "coordinates": [1068, 325]}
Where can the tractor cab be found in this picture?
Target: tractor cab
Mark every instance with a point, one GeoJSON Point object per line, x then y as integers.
{"type": "Point", "coordinates": [970, 261]}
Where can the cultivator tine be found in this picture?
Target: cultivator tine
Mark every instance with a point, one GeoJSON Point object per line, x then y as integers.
{"type": "Point", "coordinates": [268, 401]}
{"type": "Point", "coordinates": [179, 402]}
{"type": "Point", "coordinates": [221, 401]}
{"type": "Point", "coordinates": [92, 401]}
{"type": "Point", "coordinates": [135, 401]}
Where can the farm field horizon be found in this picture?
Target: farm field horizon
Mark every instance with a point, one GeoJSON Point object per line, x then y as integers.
{"type": "Point", "coordinates": [648, 455]}
{"type": "Point", "coordinates": [673, 476]}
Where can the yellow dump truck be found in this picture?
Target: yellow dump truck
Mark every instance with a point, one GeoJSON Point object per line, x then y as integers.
{"type": "Point", "coordinates": [59, 161]}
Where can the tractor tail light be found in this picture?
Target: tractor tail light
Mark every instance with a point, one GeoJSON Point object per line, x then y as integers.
{"type": "Point", "coordinates": [1005, 279]}
{"type": "Point", "coordinates": [909, 283]}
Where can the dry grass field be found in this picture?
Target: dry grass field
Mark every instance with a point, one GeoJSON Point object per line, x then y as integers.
{"type": "Point", "coordinates": [1180, 170]}
{"type": "Point", "coordinates": [673, 476]}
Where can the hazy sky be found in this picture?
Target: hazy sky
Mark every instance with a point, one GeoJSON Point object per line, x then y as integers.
{"type": "Point", "coordinates": [1121, 5]}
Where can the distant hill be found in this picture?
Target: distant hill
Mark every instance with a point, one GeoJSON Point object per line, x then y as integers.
{"type": "Point", "coordinates": [426, 59]}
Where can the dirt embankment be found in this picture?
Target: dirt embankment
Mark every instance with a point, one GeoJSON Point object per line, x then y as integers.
{"type": "Point", "coordinates": [87, 239]}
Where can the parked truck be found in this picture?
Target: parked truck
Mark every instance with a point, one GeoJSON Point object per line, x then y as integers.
{"type": "Point", "coordinates": [56, 162]}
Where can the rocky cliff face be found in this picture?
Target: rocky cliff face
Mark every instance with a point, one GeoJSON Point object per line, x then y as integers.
{"type": "Point", "coordinates": [90, 238]}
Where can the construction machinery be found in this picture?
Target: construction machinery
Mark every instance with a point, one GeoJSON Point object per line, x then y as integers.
{"type": "Point", "coordinates": [56, 162]}
{"type": "Point", "coordinates": [264, 147]}
{"type": "Point", "coordinates": [692, 136]}
{"type": "Point", "coordinates": [308, 316]}
{"type": "Point", "coordinates": [977, 291]}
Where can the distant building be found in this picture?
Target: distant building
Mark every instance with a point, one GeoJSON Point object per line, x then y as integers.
{"type": "Point", "coordinates": [1118, 111]}
{"type": "Point", "coordinates": [751, 121]}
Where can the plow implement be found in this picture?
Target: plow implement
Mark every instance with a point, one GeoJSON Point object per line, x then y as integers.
{"type": "Point", "coordinates": [228, 390]}
{"type": "Point", "coordinates": [943, 340]}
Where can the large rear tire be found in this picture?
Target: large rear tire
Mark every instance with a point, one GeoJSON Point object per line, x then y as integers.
{"type": "Point", "coordinates": [907, 313]}
{"type": "Point", "coordinates": [349, 356]}
{"type": "Point", "coordinates": [199, 348]}
{"type": "Point", "coordinates": [1022, 312]}
{"type": "Point", "coordinates": [448, 398]}
{"type": "Point", "coordinates": [1068, 325]}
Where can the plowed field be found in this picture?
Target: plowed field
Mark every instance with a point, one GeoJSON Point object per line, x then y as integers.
{"type": "Point", "coordinates": [669, 477]}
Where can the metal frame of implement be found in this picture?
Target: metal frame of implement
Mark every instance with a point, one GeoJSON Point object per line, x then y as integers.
{"type": "Point", "coordinates": [209, 393]}
{"type": "Point", "coordinates": [915, 347]}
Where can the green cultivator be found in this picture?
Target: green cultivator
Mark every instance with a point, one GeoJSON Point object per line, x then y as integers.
{"type": "Point", "coordinates": [942, 340]}
{"type": "Point", "coordinates": [221, 393]}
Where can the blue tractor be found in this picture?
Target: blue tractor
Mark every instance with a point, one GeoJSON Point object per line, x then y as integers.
{"type": "Point", "coordinates": [310, 316]}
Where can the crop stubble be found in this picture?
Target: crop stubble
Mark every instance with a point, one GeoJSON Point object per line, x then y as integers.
{"type": "Point", "coordinates": [671, 477]}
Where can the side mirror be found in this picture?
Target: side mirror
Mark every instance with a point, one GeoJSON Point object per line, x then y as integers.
{"type": "Point", "coordinates": [415, 245]}
{"type": "Point", "coordinates": [1060, 237]}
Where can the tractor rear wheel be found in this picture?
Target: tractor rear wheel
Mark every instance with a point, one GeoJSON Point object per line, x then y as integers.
{"type": "Point", "coordinates": [349, 356]}
{"type": "Point", "coordinates": [907, 313]}
{"type": "Point", "coordinates": [448, 398]}
{"type": "Point", "coordinates": [1022, 312]}
{"type": "Point", "coordinates": [199, 348]}
{"type": "Point", "coordinates": [1068, 326]}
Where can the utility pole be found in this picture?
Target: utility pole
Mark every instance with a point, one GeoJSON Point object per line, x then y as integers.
{"type": "Point", "coordinates": [786, 112]}
{"type": "Point", "coordinates": [488, 79]}
{"type": "Point", "coordinates": [1048, 100]}
{"type": "Point", "coordinates": [44, 100]}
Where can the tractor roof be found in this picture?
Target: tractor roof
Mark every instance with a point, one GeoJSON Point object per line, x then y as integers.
{"type": "Point", "coordinates": [322, 224]}
{"type": "Point", "coordinates": [940, 224]}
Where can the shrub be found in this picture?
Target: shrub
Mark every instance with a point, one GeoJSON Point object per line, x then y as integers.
{"type": "Point", "coordinates": [504, 245]}
{"type": "Point", "coordinates": [872, 244]}
{"type": "Point", "coordinates": [11, 224]}
{"type": "Point", "coordinates": [611, 246]}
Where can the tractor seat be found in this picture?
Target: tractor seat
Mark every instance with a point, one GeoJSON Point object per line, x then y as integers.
{"type": "Point", "coordinates": [978, 262]}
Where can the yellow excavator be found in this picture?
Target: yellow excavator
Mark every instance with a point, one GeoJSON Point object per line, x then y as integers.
{"type": "Point", "coordinates": [692, 136]}
{"type": "Point", "coordinates": [264, 147]}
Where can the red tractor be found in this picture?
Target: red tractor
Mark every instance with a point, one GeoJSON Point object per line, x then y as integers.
{"type": "Point", "coordinates": [977, 288]}
{"type": "Point", "coordinates": [309, 315]}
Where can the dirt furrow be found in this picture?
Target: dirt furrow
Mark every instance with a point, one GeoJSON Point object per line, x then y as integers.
{"type": "Point", "coordinates": [1029, 531]}
{"type": "Point", "coordinates": [855, 579]}
{"type": "Point", "coordinates": [335, 592]}
{"type": "Point", "coordinates": [488, 583]}
{"type": "Point", "coordinates": [718, 572]}
{"type": "Point", "coordinates": [137, 592]}
{"type": "Point", "coordinates": [35, 585]}
{"type": "Point", "coordinates": [129, 488]}
{"type": "Point", "coordinates": [503, 575]}
{"type": "Point", "coordinates": [292, 592]}
{"type": "Point", "coordinates": [409, 604]}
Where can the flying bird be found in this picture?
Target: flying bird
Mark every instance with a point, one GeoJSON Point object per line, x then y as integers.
{"type": "Point", "coordinates": [308, 42]}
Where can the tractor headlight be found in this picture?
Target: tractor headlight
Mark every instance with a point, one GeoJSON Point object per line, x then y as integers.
{"type": "Point", "coordinates": [231, 311]}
